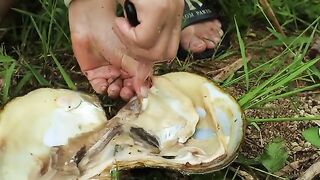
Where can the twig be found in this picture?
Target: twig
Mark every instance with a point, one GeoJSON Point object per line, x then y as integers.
{"type": "Point", "coordinates": [311, 172]}
{"type": "Point", "coordinates": [245, 175]}
{"type": "Point", "coordinates": [223, 73]}
{"type": "Point", "coordinates": [266, 6]}
{"type": "Point", "coordinates": [268, 173]}
{"type": "Point", "coordinates": [294, 166]}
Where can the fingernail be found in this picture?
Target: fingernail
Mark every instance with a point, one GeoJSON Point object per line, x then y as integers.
{"type": "Point", "coordinates": [144, 91]}
{"type": "Point", "coordinates": [221, 33]}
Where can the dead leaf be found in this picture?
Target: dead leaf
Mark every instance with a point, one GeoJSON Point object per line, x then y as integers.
{"type": "Point", "coordinates": [223, 73]}
{"type": "Point", "coordinates": [245, 175]}
{"type": "Point", "coordinates": [294, 166]}
{"type": "Point", "coordinates": [315, 51]}
{"type": "Point", "coordinates": [315, 48]}
{"type": "Point", "coordinates": [311, 172]}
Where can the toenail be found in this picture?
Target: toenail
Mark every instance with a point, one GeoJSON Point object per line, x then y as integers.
{"type": "Point", "coordinates": [218, 23]}
{"type": "Point", "coordinates": [220, 33]}
{"type": "Point", "coordinates": [198, 44]}
{"type": "Point", "coordinates": [216, 40]}
{"type": "Point", "coordinates": [212, 44]}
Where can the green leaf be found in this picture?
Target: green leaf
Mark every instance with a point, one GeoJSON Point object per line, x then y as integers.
{"type": "Point", "coordinates": [275, 156]}
{"type": "Point", "coordinates": [42, 81]}
{"type": "Point", "coordinates": [312, 135]}
{"type": "Point", "coordinates": [246, 161]}
{"type": "Point", "coordinates": [25, 80]}
{"type": "Point", "coordinates": [243, 54]}
{"type": "Point", "coordinates": [6, 59]}
{"type": "Point", "coordinates": [64, 74]}
{"type": "Point", "coordinates": [7, 82]}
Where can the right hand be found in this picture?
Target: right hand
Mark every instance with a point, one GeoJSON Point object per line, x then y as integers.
{"type": "Point", "coordinates": [157, 36]}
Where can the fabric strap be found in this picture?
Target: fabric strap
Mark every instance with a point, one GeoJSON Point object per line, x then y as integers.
{"type": "Point", "coordinates": [197, 10]}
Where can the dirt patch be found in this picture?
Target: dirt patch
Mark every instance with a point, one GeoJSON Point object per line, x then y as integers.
{"type": "Point", "coordinates": [291, 132]}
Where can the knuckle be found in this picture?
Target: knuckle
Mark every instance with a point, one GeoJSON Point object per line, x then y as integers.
{"type": "Point", "coordinates": [80, 38]}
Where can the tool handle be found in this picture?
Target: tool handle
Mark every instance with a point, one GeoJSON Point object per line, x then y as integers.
{"type": "Point", "coordinates": [131, 13]}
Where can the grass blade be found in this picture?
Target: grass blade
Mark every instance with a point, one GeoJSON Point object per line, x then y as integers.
{"type": "Point", "coordinates": [26, 78]}
{"type": "Point", "coordinates": [43, 41]}
{"type": "Point", "coordinates": [6, 59]}
{"type": "Point", "coordinates": [7, 82]}
{"type": "Point", "coordinates": [64, 74]}
{"type": "Point", "coordinates": [243, 54]}
{"type": "Point", "coordinates": [42, 81]}
{"type": "Point", "coordinates": [289, 77]}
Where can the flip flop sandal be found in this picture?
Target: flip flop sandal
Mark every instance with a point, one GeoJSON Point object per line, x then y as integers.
{"type": "Point", "coordinates": [196, 11]}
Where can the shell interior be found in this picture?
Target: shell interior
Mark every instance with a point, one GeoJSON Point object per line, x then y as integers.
{"type": "Point", "coordinates": [186, 123]}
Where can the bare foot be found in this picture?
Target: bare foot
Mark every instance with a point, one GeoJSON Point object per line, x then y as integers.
{"type": "Point", "coordinates": [201, 36]}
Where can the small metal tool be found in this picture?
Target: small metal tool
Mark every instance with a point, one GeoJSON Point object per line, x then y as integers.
{"type": "Point", "coordinates": [131, 13]}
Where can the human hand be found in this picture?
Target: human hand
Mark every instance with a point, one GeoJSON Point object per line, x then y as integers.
{"type": "Point", "coordinates": [157, 36]}
{"type": "Point", "coordinates": [99, 52]}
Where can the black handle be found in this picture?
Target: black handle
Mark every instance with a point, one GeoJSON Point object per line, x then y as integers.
{"type": "Point", "coordinates": [131, 13]}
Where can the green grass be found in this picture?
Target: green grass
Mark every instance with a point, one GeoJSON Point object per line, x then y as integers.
{"type": "Point", "coordinates": [36, 52]}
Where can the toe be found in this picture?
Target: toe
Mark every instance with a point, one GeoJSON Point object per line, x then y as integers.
{"type": "Point", "coordinates": [197, 45]}
{"type": "Point", "coordinates": [217, 23]}
{"type": "Point", "coordinates": [216, 40]}
{"type": "Point", "coordinates": [186, 36]}
{"type": "Point", "coordinates": [210, 43]}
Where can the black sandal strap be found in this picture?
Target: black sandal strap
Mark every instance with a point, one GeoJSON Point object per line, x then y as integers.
{"type": "Point", "coordinates": [198, 10]}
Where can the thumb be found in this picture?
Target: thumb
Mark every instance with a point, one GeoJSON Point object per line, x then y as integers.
{"type": "Point", "coordinates": [139, 81]}
{"type": "Point", "coordinates": [124, 30]}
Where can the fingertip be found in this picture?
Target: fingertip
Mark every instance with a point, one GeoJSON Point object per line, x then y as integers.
{"type": "Point", "coordinates": [113, 91]}
{"type": "Point", "coordinates": [114, 88]}
{"type": "Point", "coordinates": [126, 93]}
{"type": "Point", "coordinates": [142, 74]}
{"type": "Point", "coordinates": [128, 83]}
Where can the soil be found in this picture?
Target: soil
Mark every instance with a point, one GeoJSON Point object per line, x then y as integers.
{"type": "Point", "coordinates": [291, 132]}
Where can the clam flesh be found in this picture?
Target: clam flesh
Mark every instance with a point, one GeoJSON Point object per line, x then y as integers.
{"type": "Point", "coordinates": [186, 123]}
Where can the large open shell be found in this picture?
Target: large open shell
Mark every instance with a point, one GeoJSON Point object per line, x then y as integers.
{"type": "Point", "coordinates": [186, 123]}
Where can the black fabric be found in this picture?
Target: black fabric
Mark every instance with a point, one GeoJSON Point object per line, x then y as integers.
{"type": "Point", "coordinates": [198, 10]}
